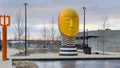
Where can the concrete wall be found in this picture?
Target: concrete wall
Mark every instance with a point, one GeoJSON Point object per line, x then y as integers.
{"type": "Point", "coordinates": [107, 39]}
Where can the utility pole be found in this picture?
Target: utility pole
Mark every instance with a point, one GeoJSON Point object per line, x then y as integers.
{"type": "Point", "coordinates": [84, 8]}
{"type": "Point", "coordinates": [25, 28]}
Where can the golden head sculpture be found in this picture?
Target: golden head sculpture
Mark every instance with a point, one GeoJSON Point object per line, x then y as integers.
{"type": "Point", "coordinates": [68, 22]}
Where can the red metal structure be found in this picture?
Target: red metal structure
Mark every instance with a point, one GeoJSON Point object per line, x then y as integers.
{"type": "Point", "coordinates": [4, 24]}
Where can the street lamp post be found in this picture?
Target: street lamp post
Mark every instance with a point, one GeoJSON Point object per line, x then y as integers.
{"type": "Point", "coordinates": [84, 8]}
{"type": "Point", "coordinates": [25, 28]}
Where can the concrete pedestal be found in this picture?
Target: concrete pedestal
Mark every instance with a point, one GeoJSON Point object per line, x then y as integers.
{"type": "Point", "coordinates": [68, 51]}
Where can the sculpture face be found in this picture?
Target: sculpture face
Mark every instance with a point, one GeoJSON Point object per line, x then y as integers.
{"type": "Point", "coordinates": [68, 22]}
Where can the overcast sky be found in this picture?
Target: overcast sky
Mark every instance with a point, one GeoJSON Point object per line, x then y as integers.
{"type": "Point", "coordinates": [42, 11]}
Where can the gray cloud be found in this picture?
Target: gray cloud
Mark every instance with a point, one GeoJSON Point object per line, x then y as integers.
{"type": "Point", "coordinates": [40, 11]}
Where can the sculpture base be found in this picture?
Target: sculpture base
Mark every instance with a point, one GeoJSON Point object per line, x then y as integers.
{"type": "Point", "coordinates": [68, 51]}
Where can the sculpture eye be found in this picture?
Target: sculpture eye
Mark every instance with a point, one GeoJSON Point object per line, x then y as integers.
{"type": "Point", "coordinates": [74, 18]}
{"type": "Point", "coordinates": [67, 19]}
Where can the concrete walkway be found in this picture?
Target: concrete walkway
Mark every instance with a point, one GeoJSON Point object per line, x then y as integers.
{"type": "Point", "coordinates": [8, 63]}
{"type": "Point", "coordinates": [53, 56]}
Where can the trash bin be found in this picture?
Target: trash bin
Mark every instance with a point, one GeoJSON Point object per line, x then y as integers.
{"type": "Point", "coordinates": [87, 50]}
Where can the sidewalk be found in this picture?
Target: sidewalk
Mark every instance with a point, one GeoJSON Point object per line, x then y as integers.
{"type": "Point", "coordinates": [8, 63]}
{"type": "Point", "coordinates": [55, 56]}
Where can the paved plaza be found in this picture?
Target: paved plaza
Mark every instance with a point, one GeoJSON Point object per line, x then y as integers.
{"type": "Point", "coordinates": [53, 56]}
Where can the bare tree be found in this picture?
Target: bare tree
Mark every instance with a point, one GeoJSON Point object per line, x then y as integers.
{"type": "Point", "coordinates": [19, 28]}
{"type": "Point", "coordinates": [58, 38]}
{"type": "Point", "coordinates": [53, 31]}
{"type": "Point", "coordinates": [103, 34]}
{"type": "Point", "coordinates": [28, 36]}
{"type": "Point", "coordinates": [43, 32]}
